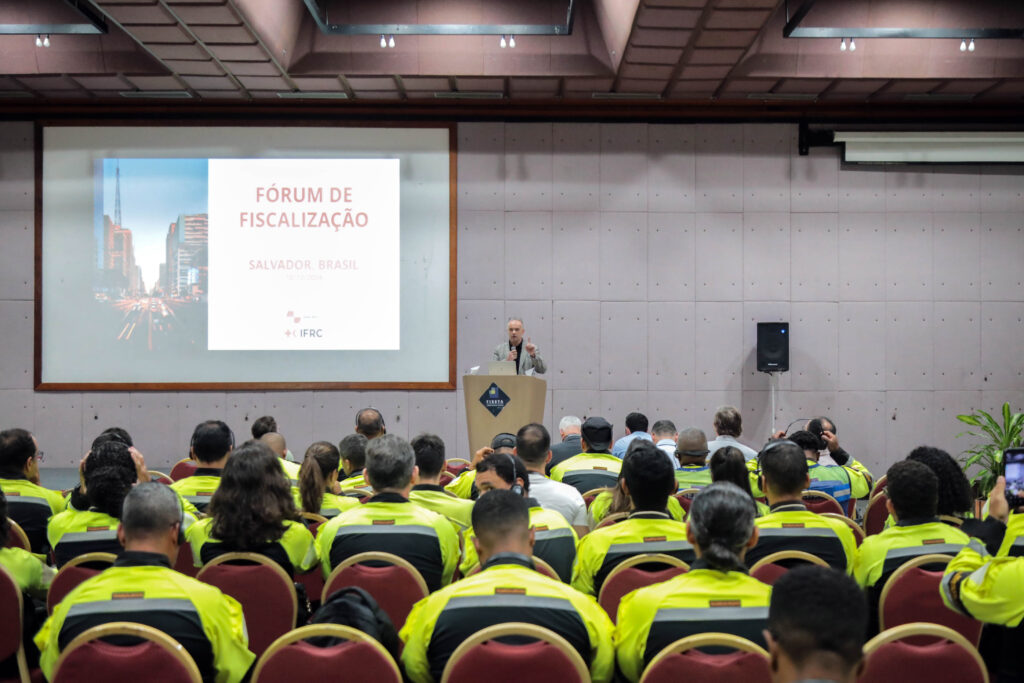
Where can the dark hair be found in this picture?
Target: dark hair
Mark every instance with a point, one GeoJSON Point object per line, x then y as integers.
{"type": "Point", "coordinates": [109, 474]}
{"type": "Point", "coordinates": [728, 464]}
{"type": "Point", "coordinates": [5, 521]}
{"type": "Point", "coordinates": [728, 421]}
{"type": "Point", "coordinates": [16, 447]}
{"type": "Point", "coordinates": [500, 514]}
{"type": "Point", "coordinates": [955, 497]}
{"type": "Point", "coordinates": [809, 441]}
{"type": "Point", "coordinates": [211, 440]}
{"type": "Point", "coordinates": [253, 499]}
{"type": "Point", "coordinates": [636, 422]}
{"type": "Point", "coordinates": [722, 521]}
{"type": "Point", "coordinates": [120, 434]}
{"type": "Point", "coordinates": [320, 461]}
{"type": "Point", "coordinates": [429, 451]}
{"type": "Point", "coordinates": [353, 449]}
{"type": "Point", "coordinates": [389, 462]}
{"type": "Point", "coordinates": [784, 466]}
{"type": "Point", "coordinates": [817, 425]}
{"type": "Point", "coordinates": [262, 425]}
{"type": "Point", "coordinates": [648, 474]}
{"type": "Point", "coordinates": [508, 467]}
{"type": "Point", "coordinates": [818, 612]}
{"type": "Point", "coordinates": [533, 443]}
{"type": "Point", "coordinates": [913, 489]}
{"type": "Point", "coordinates": [369, 423]}
{"type": "Point", "coordinates": [664, 427]}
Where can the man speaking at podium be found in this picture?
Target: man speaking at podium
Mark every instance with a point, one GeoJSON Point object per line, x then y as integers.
{"type": "Point", "coordinates": [524, 355]}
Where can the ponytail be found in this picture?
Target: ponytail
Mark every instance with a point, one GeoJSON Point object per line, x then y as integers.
{"type": "Point", "coordinates": [322, 458]}
{"type": "Point", "coordinates": [722, 521]}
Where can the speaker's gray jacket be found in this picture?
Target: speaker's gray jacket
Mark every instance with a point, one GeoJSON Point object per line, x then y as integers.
{"type": "Point", "coordinates": [526, 361]}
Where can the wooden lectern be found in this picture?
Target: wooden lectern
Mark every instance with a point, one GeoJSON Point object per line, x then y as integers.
{"type": "Point", "coordinates": [501, 403]}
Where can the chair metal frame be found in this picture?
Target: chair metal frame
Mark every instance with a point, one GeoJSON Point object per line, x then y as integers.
{"type": "Point", "coordinates": [823, 495]}
{"type": "Point", "coordinates": [84, 558]}
{"type": "Point", "coordinates": [611, 519]}
{"type": "Point", "coordinates": [516, 628]}
{"type": "Point", "coordinates": [19, 534]}
{"type": "Point", "coordinates": [374, 557]}
{"type": "Point", "coordinates": [183, 460]}
{"type": "Point", "coordinates": [879, 486]}
{"type": "Point", "coordinates": [858, 532]}
{"type": "Point", "coordinates": [154, 475]}
{"type": "Point", "coordinates": [23, 671]}
{"type": "Point", "coordinates": [878, 499]}
{"type": "Point", "coordinates": [256, 558]}
{"type": "Point", "coordinates": [635, 560]}
{"type": "Point", "coordinates": [712, 639]}
{"type": "Point", "coordinates": [922, 628]}
{"type": "Point", "coordinates": [329, 630]}
{"type": "Point", "coordinates": [125, 628]}
{"type": "Point", "coordinates": [594, 493]}
{"type": "Point", "coordinates": [787, 555]}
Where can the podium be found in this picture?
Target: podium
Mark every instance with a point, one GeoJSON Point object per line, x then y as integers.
{"type": "Point", "coordinates": [501, 403]}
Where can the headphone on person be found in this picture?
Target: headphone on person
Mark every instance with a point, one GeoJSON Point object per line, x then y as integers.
{"type": "Point", "coordinates": [516, 488]}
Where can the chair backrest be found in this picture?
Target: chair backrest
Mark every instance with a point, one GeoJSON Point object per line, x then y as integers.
{"type": "Point", "coordinates": [547, 658]}
{"type": "Point", "coordinates": [313, 520]}
{"type": "Point", "coordinates": [912, 595]}
{"type": "Point", "coordinates": [456, 465]}
{"type": "Point", "coordinates": [613, 519]}
{"type": "Point", "coordinates": [538, 564]}
{"type": "Point", "coordinates": [183, 468]}
{"type": "Point", "coordinates": [185, 562]}
{"type": "Point", "coordinates": [876, 514]}
{"type": "Point", "coordinates": [879, 486]}
{"type": "Point", "coordinates": [685, 498]}
{"type": "Point", "coordinates": [445, 478]}
{"type": "Point", "coordinates": [770, 567]}
{"type": "Point", "coordinates": [11, 616]}
{"type": "Point", "coordinates": [160, 478]}
{"type": "Point", "coordinates": [820, 501]}
{"type": "Point", "coordinates": [148, 655]}
{"type": "Point", "coordinates": [75, 572]}
{"type": "Point", "coordinates": [16, 537]}
{"type": "Point", "coordinates": [858, 533]}
{"type": "Point", "coordinates": [591, 495]}
{"type": "Point", "coordinates": [291, 658]}
{"type": "Point", "coordinates": [891, 658]}
{"type": "Point", "coordinates": [265, 591]}
{"type": "Point", "coordinates": [684, 661]}
{"type": "Point", "coordinates": [636, 572]}
{"type": "Point", "coordinates": [393, 582]}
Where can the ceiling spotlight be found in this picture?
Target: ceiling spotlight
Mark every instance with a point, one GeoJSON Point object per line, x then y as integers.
{"type": "Point", "coordinates": [503, 43]}
{"type": "Point", "coordinates": [963, 45]}
{"type": "Point", "coordinates": [511, 41]}
{"type": "Point", "coordinates": [39, 41]}
{"type": "Point", "coordinates": [970, 46]}
{"type": "Point", "coordinates": [853, 45]}
{"type": "Point", "coordinates": [391, 41]}
{"type": "Point", "coordinates": [842, 45]}
{"type": "Point", "coordinates": [383, 41]}
{"type": "Point", "coordinates": [46, 41]}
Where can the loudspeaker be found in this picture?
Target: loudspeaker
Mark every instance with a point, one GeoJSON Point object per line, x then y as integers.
{"type": "Point", "coordinates": [773, 347]}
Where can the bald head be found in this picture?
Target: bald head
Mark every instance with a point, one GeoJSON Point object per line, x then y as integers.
{"type": "Point", "coordinates": [276, 443]}
{"type": "Point", "coordinates": [691, 446]}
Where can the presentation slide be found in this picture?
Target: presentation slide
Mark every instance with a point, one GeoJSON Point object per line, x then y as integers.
{"type": "Point", "coordinates": [245, 257]}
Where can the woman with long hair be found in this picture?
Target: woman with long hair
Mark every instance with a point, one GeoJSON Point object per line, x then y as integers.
{"type": "Point", "coordinates": [253, 511]}
{"type": "Point", "coordinates": [318, 482]}
{"type": "Point", "coordinates": [728, 464]}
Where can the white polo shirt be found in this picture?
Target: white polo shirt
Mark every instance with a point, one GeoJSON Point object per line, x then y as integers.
{"type": "Point", "coordinates": [554, 495]}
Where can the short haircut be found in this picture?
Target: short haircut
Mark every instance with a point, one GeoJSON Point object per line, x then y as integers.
{"type": "Point", "coordinates": [664, 428]}
{"type": "Point", "coordinates": [16, 447]}
{"type": "Point", "coordinates": [722, 521]}
{"type": "Point", "coordinates": [389, 462]}
{"type": "Point", "coordinates": [507, 467]}
{"type": "Point", "coordinates": [500, 515]}
{"type": "Point", "coordinates": [809, 441]}
{"type": "Point", "coordinates": [728, 421]}
{"type": "Point", "coordinates": [517, 319]}
{"type": "Point", "coordinates": [636, 422]}
{"type": "Point", "coordinates": [149, 508]}
{"type": "Point", "coordinates": [211, 440]}
{"type": "Point", "coordinates": [119, 433]}
{"type": "Point", "coordinates": [568, 422]}
{"type": "Point", "coordinates": [353, 449]}
{"type": "Point", "coordinates": [784, 467]}
{"type": "Point", "coordinates": [369, 423]}
{"type": "Point", "coordinates": [429, 450]}
{"type": "Point", "coordinates": [262, 425]}
{"type": "Point", "coordinates": [955, 496]}
{"type": "Point", "coordinates": [533, 443]}
{"type": "Point", "coordinates": [648, 474]}
{"type": "Point", "coordinates": [818, 612]}
{"type": "Point", "coordinates": [913, 489]}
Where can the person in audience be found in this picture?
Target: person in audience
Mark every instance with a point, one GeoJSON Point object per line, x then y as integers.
{"type": "Point", "coordinates": [720, 528]}
{"type": "Point", "coordinates": [370, 423]}
{"type": "Point", "coordinates": [615, 500]}
{"type": "Point", "coordinates": [276, 443]}
{"type": "Point", "coordinates": [790, 525]}
{"type": "Point", "coordinates": [956, 501]}
{"type": "Point", "coordinates": [142, 588]}
{"type": "Point", "coordinates": [428, 493]}
{"type": "Point", "coordinates": [507, 589]}
{"type": "Point", "coordinates": [691, 454]}
{"type": "Point", "coordinates": [119, 434]}
{"type": "Point", "coordinates": [389, 523]}
{"type": "Point", "coordinates": [636, 428]}
{"type": "Point", "coordinates": [554, 539]}
{"type": "Point", "coordinates": [648, 480]}
{"type": "Point", "coordinates": [353, 461]}
{"type": "Point", "coordinates": [840, 481]}
{"type": "Point", "coordinates": [29, 504]}
{"type": "Point", "coordinates": [728, 464]}
{"type": "Point", "coordinates": [816, 624]}
{"type": "Point", "coordinates": [913, 494]}
{"type": "Point", "coordinates": [570, 444]}
{"type": "Point", "coordinates": [263, 425]}
{"type": "Point", "coordinates": [595, 467]}
{"type": "Point", "coordinates": [212, 442]}
{"type": "Point", "coordinates": [824, 428]}
{"type": "Point", "coordinates": [533, 448]}
{"type": "Point", "coordinates": [728, 425]}
{"type": "Point", "coordinates": [318, 482]}
{"type": "Point", "coordinates": [664, 435]}
{"type": "Point", "coordinates": [464, 486]}
{"type": "Point", "coordinates": [253, 510]}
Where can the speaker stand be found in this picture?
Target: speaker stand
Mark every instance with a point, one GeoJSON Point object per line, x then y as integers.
{"type": "Point", "coordinates": [773, 380]}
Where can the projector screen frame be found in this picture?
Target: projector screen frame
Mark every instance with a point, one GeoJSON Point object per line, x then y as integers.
{"type": "Point", "coordinates": [40, 385]}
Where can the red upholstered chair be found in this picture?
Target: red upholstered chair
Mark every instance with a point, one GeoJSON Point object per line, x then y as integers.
{"type": "Point", "coordinates": [876, 514]}
{"type": "Point", "coordinates": [396, 586]}
{"type": "Point", "coordinates": [685, 498]}
{"type": "Point", "coordinates": [911, 594]}
{"type": "Point", "coordinates": [185, 562]}
{"type": "Point", "coordinates": [769, 568]}
{"type": "Point", "coordinates": [11, 624]}
{"type": "Point", "coordinates": [613, 519]}
{"type": "Point", "coordinates": [541, 566]}
{"type": "Point", "coordinates": [547, 658]}
{"type": "Point", "coordinates": [457, 466]}
{"type": "Point", "coordinates": [590, 495]}
{"type": "Point", "coordinates": [858, 533]}
{"type": "Point", "coordinates": [819, 501]}
{"type": "Point", "coordinates": [290, 658]}
{"type": "Point", "coordinates": [446, 478]}
{"type": "Point", "coordinates": [265, 591]}
{"type": "Point", "coordinates": [17, 538]}
{"type": "Point", "coordinates": [74, 572]}
{"type": "Point", "coordinates": [892, 658]}
{"type": "Point", "coordinates": [183, 468]}
{"type": "Point", "coordinates": [629, 575]}
{"type": "Point", "coordinates": [160, 478]}
{"type": "Point", "coordinates": [87, 658]}
{"type": "Point", "coordinates": [879, 485]}
{"type": "Point", "coordinates": [682, 661]}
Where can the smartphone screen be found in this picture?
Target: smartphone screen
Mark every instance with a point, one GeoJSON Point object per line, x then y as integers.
{"type": "Point", "coordinates": [1013, 460]}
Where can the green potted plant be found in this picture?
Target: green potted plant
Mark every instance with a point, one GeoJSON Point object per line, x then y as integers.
{"type": "Point", "coordinates": [988, 456]}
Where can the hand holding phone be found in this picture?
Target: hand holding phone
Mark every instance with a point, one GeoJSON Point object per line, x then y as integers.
{"type": "Point", "coordinates": [1013, 470]}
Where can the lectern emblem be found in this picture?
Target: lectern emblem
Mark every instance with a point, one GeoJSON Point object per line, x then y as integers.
{"type": "Point", "coordinates": [494, 399]}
